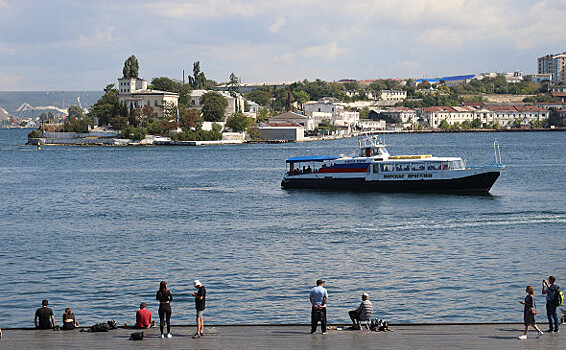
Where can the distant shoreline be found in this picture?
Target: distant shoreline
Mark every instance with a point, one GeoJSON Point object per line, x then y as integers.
{"type": "Point", "coordinates": [102, 141]}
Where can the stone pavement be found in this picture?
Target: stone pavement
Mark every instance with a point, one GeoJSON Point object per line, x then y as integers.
{"type": "Point", "coordinates": [429, 336]}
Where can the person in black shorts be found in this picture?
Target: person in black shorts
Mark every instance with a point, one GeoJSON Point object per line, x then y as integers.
{"type": "Point", "coordinates": [200, 300]}
{"type": "Point", "coordinates": [165, 297]}
{"type": "Point", "coordinates": [45, 316]}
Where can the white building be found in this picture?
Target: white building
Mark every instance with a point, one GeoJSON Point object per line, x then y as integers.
{"type": "Point", "coordinates": [332, 110]}
{"type": "Point", "coordinates": [282, 131]}
{"type": "Point", "coordinates": [393, 95]}
{"type": "Point", "coordinates": [370, 125]}
{"type": "Point", "coordinates": [327, 105]}
{"type": "Point", "coordinates": [134, 93]}
{"type": "Point", "coordinates": [234, 103]}
{"type": "Point", "coordinates": [308, 123]}
{"type": "Point", "coordinates": [503, 115]}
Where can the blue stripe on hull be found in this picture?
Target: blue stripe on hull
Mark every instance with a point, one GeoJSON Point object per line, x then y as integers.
{"type": "Point", "coordinates": [471, 184]}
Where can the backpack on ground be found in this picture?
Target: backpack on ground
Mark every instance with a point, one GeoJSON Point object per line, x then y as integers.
{"type": "Point", "coordinates": [136, 336]}
{"type": "Point", "coordinates": [100, 327]}
{"type": "Point", "coordinates": [112, 324]}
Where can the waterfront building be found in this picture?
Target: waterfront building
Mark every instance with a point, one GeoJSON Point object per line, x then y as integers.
{"type": "Point", "coordinates": [281, 131]}
{"type": "Point", "coordinates": [371, 125]}
{"type": "Point", "coordinates": [134, 93]}
{"type": "Point", "coordinates": [307, 122]}
{"type": "Point", "coordinates": [332, 110]}
{"type": "Point", "coordinates": [504, 115]}
{"type": "Point", "coordinates": [234, 103]}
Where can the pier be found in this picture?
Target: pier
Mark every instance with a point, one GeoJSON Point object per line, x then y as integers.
{"type": "Point", "coordinates": [404, 336]}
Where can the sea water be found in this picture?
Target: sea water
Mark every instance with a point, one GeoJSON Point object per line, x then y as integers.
{"type": "Point", "coordinates": [97, 228]}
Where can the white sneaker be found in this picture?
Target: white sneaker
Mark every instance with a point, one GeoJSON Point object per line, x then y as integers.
{"type": "Point", "coordinates": [539, 334]}
{"type": "Point", "coordinates": [162, 336]}
{"type": "Point", "coordinates": [523, 337]}
{"type": "Point", "coordinates": [169, 335]}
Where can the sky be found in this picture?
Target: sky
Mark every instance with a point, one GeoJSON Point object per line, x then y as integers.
{"type": "Point", "coordinates": [82, 44]}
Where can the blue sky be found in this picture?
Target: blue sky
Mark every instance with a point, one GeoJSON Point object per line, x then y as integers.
{"type": "Point", "coordinates": [82, 45]}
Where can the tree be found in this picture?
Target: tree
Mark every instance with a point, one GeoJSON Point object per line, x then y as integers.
{"type": "Point", "coordinates": [259, 96]}
{"type": "Point", "coordinates": [173, 85]}
{"type": "Point", "coordinates": [301, 97]}
{"type": "Point", "coordinates": [234, 85]}
{"type": "Point", "coordinates": [107, 106]}
{"type": "Point", "coordinates": [118, 122]}
{"type": "Point", "coordinates": [238, 122]}
{"type": "Point", "coordinates": [131, 67]}
{"type": "Point", "coordinates": [198, 79]}
{"type": "Point", "coordinates": [169, 110]}
{"type": "Point", "coordinates": [476, 123]}
{"type": "Point", "coordinates": [148, 113]}
{"type": "Point", "coordinates": [444, 125]}
{"type": "Point", "coordinates": [214, 106]}
{"type": "Point", "coordinates": [75, 112]}
{"type": "Point", "coordinates": [189, 119]}
{"type": "Point", "coordinates": [262, 115]}
{"type": "Point", "coordinates": [517, 123]}
{"type": "Point", "coordinates": [364, 113]}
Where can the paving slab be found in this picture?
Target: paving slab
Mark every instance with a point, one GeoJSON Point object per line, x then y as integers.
{"type": "Point", "coordinates": [461, 336]}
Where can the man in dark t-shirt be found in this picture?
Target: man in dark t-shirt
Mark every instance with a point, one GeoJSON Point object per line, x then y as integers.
{"type": "Point", "coordinates": [200, 300]}
{"type": "Point", "coordinates": [45, 316]}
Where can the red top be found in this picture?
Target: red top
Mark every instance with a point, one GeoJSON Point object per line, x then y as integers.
{"type": "Point", "coordinates": [143, 316]}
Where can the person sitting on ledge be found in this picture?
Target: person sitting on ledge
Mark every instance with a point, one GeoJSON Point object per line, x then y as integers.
{"type": "Point", "coordinates": [363, 312]}
{"type": "Point", "coordinates": [45, 316]}
{"type": "Point", "coordinates": [69, 322]}
{"type": "Point", "coordinates": [143, 317]}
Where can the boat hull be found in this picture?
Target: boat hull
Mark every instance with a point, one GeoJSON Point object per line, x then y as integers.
{"type": "Point", "coordinates": [478, 183]}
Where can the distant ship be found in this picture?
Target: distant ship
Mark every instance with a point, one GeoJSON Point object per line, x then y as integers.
{"type": "Point", "coordinates": [375, 170]}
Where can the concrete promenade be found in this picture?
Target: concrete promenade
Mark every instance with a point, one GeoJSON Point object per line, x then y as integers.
{"type": "Point", "coordinates": [428, 336]}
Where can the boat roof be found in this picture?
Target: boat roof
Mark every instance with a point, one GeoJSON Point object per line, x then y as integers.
{"type": "Point", "coordinates": [311, 158]}
{"type": "Point", "coordinates": [421, 160]}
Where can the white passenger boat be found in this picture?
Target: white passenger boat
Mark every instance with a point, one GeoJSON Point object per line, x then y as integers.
{"type": "Point", "coordinates": [375, 170]}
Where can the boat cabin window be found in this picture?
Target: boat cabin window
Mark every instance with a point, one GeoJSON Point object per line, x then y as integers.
{"type": "Point", "coordinates": [417, 166]}
{"type": "Point", "coordinates": [433, 166]}
{"type": "Point", "coordinates": [456, 164]}
{"type": "Point", "coordinates": [402, 166]}
{"type": "Point", "coordinates": [386, 167]}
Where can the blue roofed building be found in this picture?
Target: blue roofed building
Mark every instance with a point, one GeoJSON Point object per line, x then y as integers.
{"type": "Point", "coordinates": [450, 81]}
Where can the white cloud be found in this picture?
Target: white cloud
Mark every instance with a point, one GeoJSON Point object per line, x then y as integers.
{"type": "Point", "coordinates": [202, 9]}
{"type": "Point", "coordinates": [275, 27]}
{"type": "Point", "coordinates": [287, 57]}
{"type": "Point", "coordinates": [98, 37]}
{"type": "Point", "coordinates": [326, 51]}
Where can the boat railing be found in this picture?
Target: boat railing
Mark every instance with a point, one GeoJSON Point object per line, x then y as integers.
{"type": "Point", "coordinates": [497, 152]}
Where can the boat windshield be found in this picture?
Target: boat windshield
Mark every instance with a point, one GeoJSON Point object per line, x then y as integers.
{"type": "Point", "coordinates": [456, 164]}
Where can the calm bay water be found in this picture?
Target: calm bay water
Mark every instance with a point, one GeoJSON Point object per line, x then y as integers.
{"type": "Point", "coordinates": [97, 228]}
